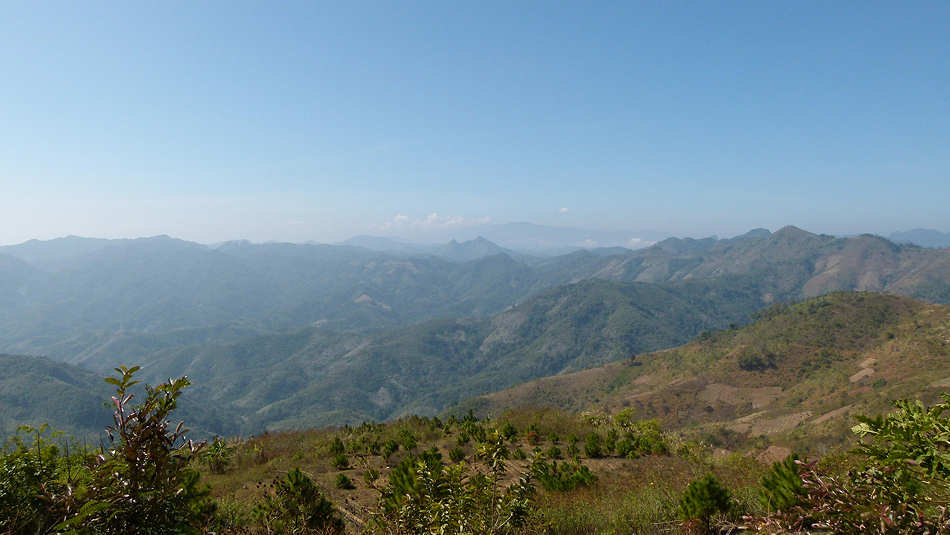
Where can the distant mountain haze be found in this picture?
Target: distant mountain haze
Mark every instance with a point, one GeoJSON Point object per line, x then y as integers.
{"type": "Point", "coordinates": [307, 334]}
{"type": "Point", "coordinates": [923, 238]}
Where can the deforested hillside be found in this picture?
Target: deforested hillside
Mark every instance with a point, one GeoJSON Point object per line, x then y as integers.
{"type": "Point", "coordinates": [793, 377]}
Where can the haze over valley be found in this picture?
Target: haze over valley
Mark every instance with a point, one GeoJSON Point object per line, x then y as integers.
{"type": "Point", "coordinates": [480, 268]}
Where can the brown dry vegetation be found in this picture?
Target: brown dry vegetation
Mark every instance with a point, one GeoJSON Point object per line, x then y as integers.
{"type": "Point", "coordinates": [824, 359]}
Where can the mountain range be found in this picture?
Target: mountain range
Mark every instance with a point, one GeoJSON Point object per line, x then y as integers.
{"type": "Point", "coordinates": [290, 335]}
{"type": "Point", "coordinates": [923, 238]}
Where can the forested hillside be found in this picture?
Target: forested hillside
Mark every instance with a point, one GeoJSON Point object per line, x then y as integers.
{"type": "Point", "coordinates": [299, 335]}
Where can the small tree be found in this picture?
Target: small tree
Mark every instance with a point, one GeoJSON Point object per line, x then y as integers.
{"type": "Point", "coordinates": [704, 498]}
{"type": "Point", "coordinates": [782, 486]}
{"type": "Point", "coordinates": [218, 456]}
{"type": "Point", "coordinates": [143, 483]}
{"type": "Point", "coordinates": [424, 496]}
{"type": "Point", "coordinates": [343, 482]}
{"type": "Point", "coordinates": [593, 446]}
{"type": "Point", "coordinates": [457, 454]}
{"type": "Point", "coordinates": [296, 505]}
{"type": "Point", "coordinates": [389, 448]}
{"type": "Point", "coordinates": [341, 461]}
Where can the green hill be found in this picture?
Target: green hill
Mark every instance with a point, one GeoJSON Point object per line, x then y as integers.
{"type": "Point", "coordinates": [791, 377]}
{"type": "Point", "coordinates": [319, 377]}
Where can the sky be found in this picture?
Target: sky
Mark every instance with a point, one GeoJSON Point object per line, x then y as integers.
{"type": "Point", "coordinates": [316, 121]}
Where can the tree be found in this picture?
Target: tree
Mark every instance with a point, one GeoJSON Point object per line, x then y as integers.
{"type": "Point", "coordinates": [782, 485]}
{"type": "Point", "coordinates": [704, 498]}
{"type": "Point", "coordinates": [296, 505]}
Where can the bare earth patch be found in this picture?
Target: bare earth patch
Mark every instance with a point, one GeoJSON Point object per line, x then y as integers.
{"type": "Point", "coordinates": [866, 372]}
{"type": "Point", "coordinates": [943, 383]}
{"type": "Point", "coordinates": [773, 454]}
{"type": "Point", "coordinates": [780, 424]}
{"type": "Point", "coordinates": [832, 414]}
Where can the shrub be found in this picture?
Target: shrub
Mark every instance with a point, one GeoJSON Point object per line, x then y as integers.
{"type": "Point", "coordinates": [756, 362]}
{"type": "Point", "coordinates": [563, 476]}
{"type": "Point", "coordinates": [296, 505]}
{"type": "Point", "coordinates": [593, 446]}
{"type": "Point", "coordinates": [218, 456]}
{"type": "Point", "coordinates": [457, 454]}
{"type": "Point", "coordinates": [627, 448]}
{"type": "Point", "coordinates": [407, 439]}
{"type": "Point", "coordinates": [340, 461]}
{"type": "Point", "coordinates": [610, 441]}
{"type": "Point", "coordinates": [29, 472]}
{"type": "Point", "coordinates": [704, 498]}
{"type": "Point", "coordinates": [424, 497]}
{"type": "Point", "coordinates": [782, 486]}
{"type": "Point", "coordinates": [344, 482]}
{"type": "Point", "coordinates": [370, 476]}
{"type": "Point", "coordinates": [509, 432]}
{"type": "Point", "coordinates": [532, 437]}
{"type": "Point", "coordinates": [553, 452]}
{"type": "Point", "coordinates": [337, 447]}
{"type": "Point", "coordinates": [143, 482]}
{"type": "Point", "coordinates": [389, 448]}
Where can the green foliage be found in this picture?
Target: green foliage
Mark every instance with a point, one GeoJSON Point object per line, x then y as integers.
{"type": "Point", "coordinates": [407, 439]}
{"type": "Point", "coordinates": [218, 456]}
{"type": "Point", "coordinates": [910, 445]}
{"type": "Point", "coordinates": [425, 497]}
{"type": "Point", "coordinates": [702, 499]}
{"type": "Point", "coordinates": [564, 476]}
{"type": "Point", "coordinates": [340, 461]}
{"type": "Point", "coordinates": [610, 441]}
{"type": "Point", "coordinates": [782, 485]}
{"type": "Point", "coordinates": [295, 505]}
{"type": "Point", "coordinates": [370, 476]}
{"type": "Point", "coordinates": [457, 454]}
{"type": "Point", "coordinates": [337, 447]}
{"type": "Point", "coordinates": [389, 448]}
{"type": "Point", "coordinates": [594, 446]}
{"type": "Point", "coordinates": [903, 485]}
{"type": "Point", "coordinates": [757, 362]}
{"type": "Point", "coordinates": [509, 432]}
{"type": "Point", "coordinates": [144, 482]}
{"type": "Point", "coordinates": [343, 482]}
{"type": "Point", "coordinates": [29, 472]}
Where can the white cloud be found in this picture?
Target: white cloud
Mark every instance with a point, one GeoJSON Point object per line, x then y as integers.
{"type": "Point", "coordinates": [563, 210]}
{"type": "Point", "coordinates": [431, 222]}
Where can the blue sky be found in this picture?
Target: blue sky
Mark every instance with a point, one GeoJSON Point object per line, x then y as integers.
{"type": "Point", "coordinates": [316, 121]}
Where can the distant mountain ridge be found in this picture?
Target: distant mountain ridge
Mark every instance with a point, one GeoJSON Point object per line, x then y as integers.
{"type": "Point", "coordinates": [247, 318]}
{"type": "Point", "coordinates": [923, 238]}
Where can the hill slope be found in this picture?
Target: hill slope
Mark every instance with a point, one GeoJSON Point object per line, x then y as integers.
{"type": "Point", "coordinates": [318, 377]}
{"type": "Point", "coordinates": [793, 376]}
{"type": "Point", "coordinates": [69, 297]}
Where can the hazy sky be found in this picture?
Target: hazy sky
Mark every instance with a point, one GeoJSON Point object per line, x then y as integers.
{"type": "Point", "coordinates": [300, 121]}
